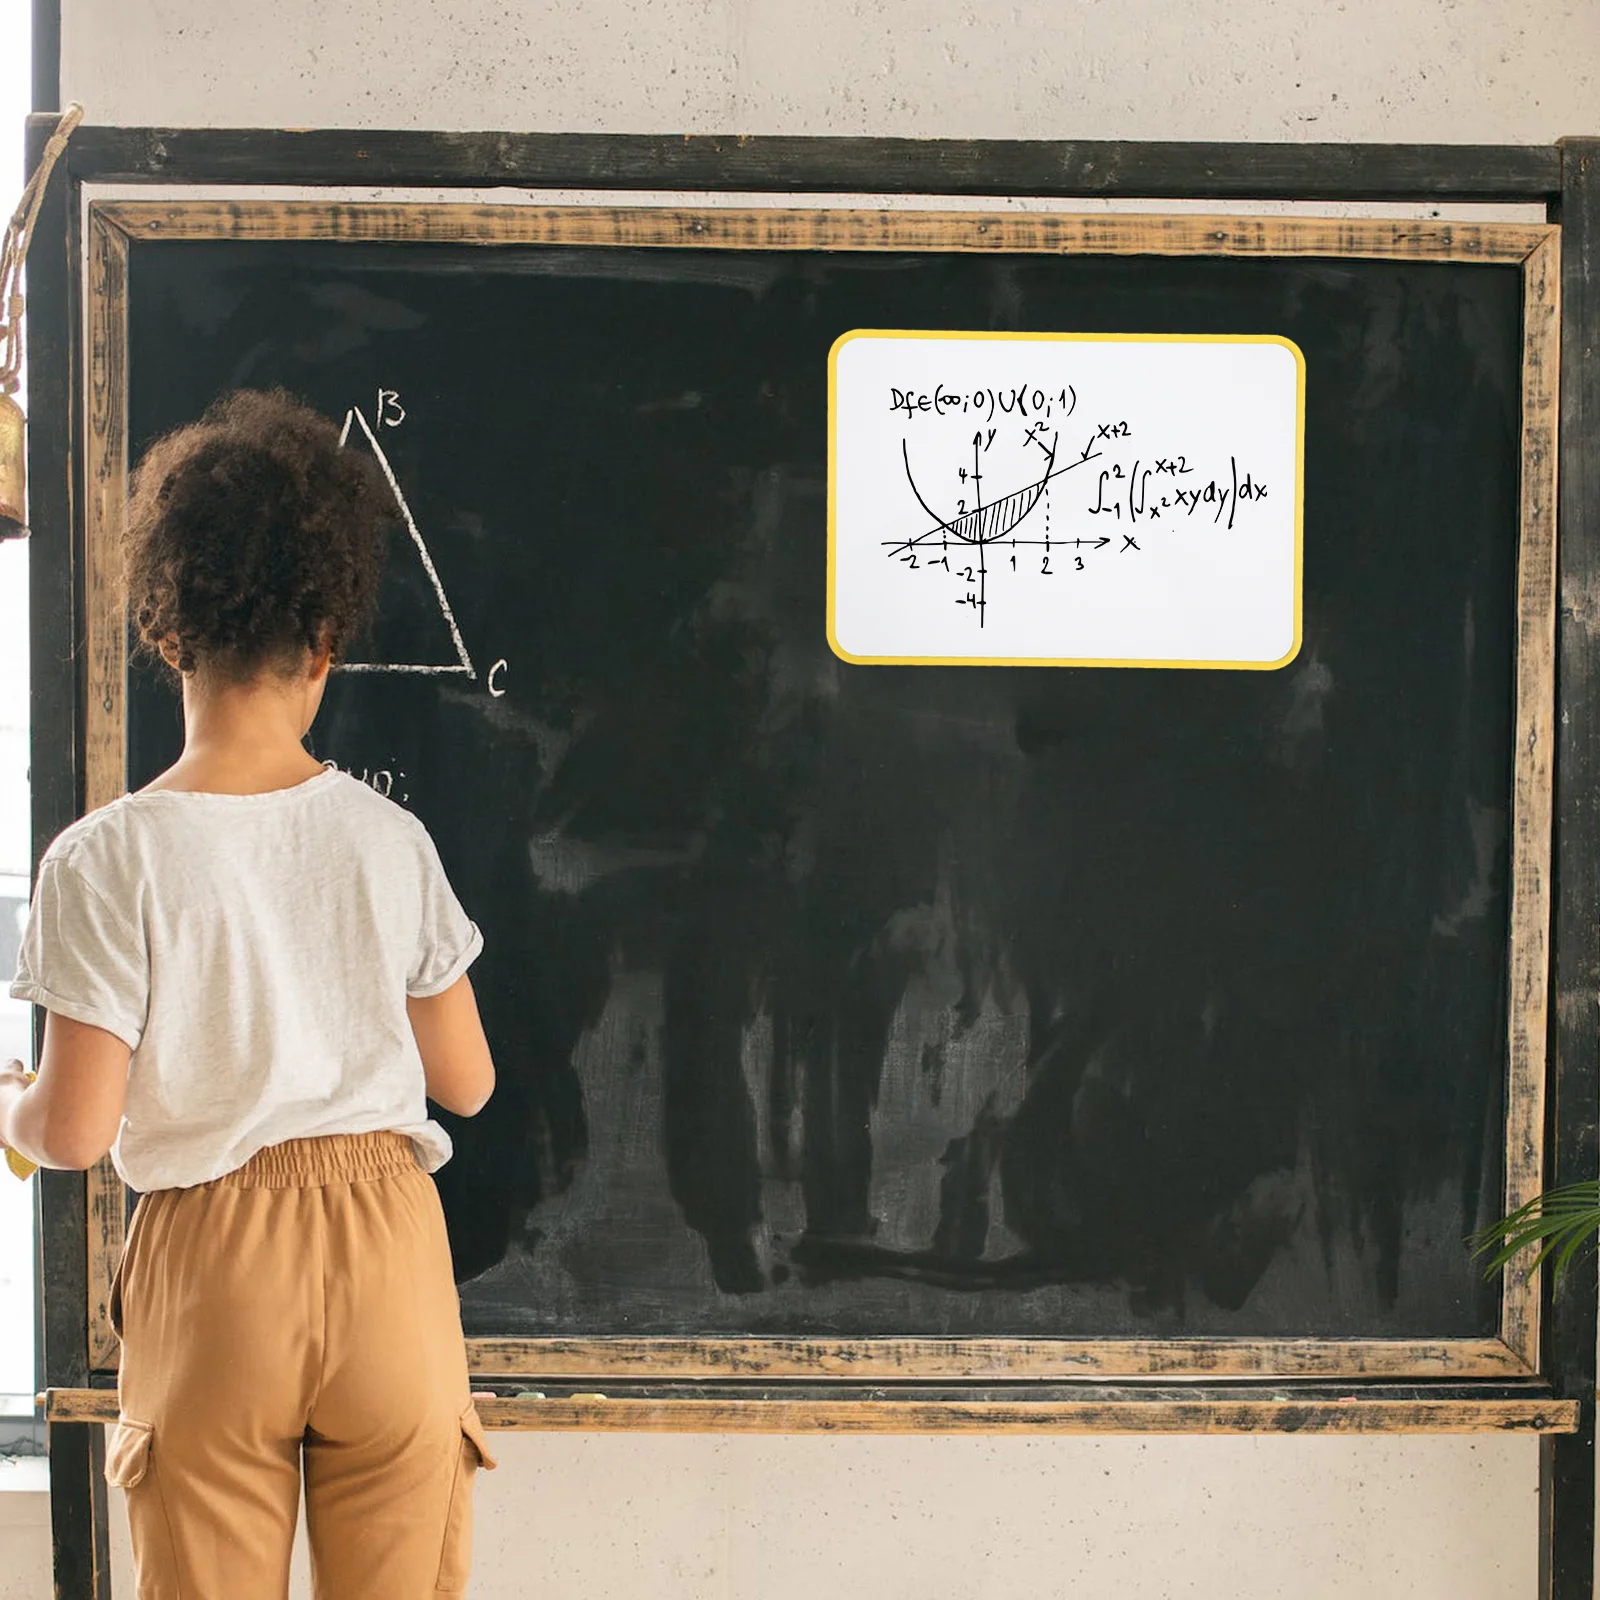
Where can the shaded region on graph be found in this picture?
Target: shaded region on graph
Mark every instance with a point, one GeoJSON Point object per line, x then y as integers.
{"type": "Point", "coordinates": [984, 524]}
{"type": "Point", "coordinates": [987, 525]}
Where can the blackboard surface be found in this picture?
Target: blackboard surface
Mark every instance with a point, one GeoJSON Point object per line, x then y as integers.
{"type": "Point", "coordinates": [834, 1000]}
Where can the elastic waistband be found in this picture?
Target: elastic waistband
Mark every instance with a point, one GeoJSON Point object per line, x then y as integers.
{"type": "Point", "coordinates": [335, 1158]}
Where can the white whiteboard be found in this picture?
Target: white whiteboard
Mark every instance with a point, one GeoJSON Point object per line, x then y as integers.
{"type": "Point", "coordinates": [1065, 499]}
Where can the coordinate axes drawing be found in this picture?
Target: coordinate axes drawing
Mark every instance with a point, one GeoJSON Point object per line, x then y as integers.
{"type": "Point", "coordinates": [991, 525]}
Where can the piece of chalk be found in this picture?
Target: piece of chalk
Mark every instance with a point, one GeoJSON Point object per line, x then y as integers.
{"type": "Point", "coordinates": [586, 1397]}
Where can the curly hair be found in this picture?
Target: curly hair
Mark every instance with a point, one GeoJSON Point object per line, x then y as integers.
{"type": "Point", "coordinates": [252, 537]}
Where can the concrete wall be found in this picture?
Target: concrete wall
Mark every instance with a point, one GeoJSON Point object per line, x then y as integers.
{"type": "Point", "coordinates": [1463, 71]}
{"type": "Point", "coordinates": [603, 1516]}
{"type": "Point", "coordinates": [611, 1517]}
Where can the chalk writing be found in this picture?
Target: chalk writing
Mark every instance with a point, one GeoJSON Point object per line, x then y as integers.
{"type": "Point", "coordinates": [387, 781]}
{"type": "Point", "coordinates": [390, 413]}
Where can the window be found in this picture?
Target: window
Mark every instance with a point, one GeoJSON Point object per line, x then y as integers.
{"type": "Point", "coordinates": [17, 1303]}
{"type": "Point", "coordinates": [16, 1199]}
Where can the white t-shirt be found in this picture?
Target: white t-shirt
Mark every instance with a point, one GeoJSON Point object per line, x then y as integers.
{"type": "Point", "coordinates": [255, 953]}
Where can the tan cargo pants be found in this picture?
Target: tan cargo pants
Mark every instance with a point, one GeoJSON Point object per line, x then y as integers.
{"type": "Point", "coordinates": [299, 1310]}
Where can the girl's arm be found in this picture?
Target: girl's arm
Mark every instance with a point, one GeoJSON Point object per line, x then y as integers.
{"type": "Point", "coordinates": [70, 1116]}
{"type": "Point", "coordinates": [455, 1055]}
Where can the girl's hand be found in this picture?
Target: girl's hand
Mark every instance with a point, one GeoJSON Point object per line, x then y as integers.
{"type": "Point", "coordinates": [14, 1078]}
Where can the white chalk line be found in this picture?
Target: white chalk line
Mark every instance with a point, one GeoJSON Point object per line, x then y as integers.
{"type": "Point", "coordinates": [384, 666]}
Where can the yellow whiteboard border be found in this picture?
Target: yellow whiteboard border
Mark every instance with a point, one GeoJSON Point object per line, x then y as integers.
{"type": "Point", "coordinates": [1073, 338]}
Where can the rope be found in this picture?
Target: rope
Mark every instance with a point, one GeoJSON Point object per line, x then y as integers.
{"type": "Point", "coordinates": [14, 249]}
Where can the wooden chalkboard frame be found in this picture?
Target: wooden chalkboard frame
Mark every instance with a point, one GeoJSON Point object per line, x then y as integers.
{"type": "Point", "coordinates": [113, 226]}
{"type": "Point", "coordinates": [1561, 180]}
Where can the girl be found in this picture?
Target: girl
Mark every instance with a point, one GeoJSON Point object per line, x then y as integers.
{"type": "Point", "coordinates": [253, 971]}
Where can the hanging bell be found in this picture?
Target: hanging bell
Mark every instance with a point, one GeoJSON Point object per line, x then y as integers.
{"type": "Point", "coordinates": [13, 470]}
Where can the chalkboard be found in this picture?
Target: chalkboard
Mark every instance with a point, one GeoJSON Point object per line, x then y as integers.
{"type": "Point", "coordinates": [839, 1002]}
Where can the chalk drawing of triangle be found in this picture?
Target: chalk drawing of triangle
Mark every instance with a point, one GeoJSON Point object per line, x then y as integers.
{"type": "Point", "coordinates": [462, 665]}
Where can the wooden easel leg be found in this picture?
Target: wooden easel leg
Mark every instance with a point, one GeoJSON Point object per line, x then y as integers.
{"type": "Point", "coordinates": [79, 1533]}
{"type": "Point", "coordinates": [1567, 1357]}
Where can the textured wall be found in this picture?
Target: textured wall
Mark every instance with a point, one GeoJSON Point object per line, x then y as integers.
{"type": "Point", "coordinates": [609, 1517]}
{"type": "Point", "coordinates": [1464, 71]}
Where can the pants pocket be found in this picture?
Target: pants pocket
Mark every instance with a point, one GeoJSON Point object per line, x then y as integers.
{"type": "Point", "coordinates": [128, 1453]}
{"type": "Point", "coordinates": [455, 1560]}
{"type": "Point", "coordinates": [132, 1467]}
{"type": "Point", "coordinates": [114, 1303]}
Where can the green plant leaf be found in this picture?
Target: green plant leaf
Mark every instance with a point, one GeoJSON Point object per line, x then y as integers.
{"type": "Point", "coordinates": [1560, 1222]}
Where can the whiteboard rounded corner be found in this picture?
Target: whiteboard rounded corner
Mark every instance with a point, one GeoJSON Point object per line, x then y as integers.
{"type": "Point", "coordinates": [1293, 651]}
{"type": "Point", "coordinates": [837, 347]}
{"type": "Point", "coordinates": [840, 651]}
{"type": "Point", "coordinates": [1286, 343]}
